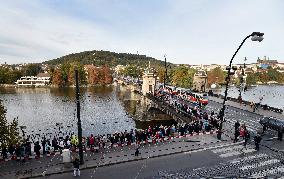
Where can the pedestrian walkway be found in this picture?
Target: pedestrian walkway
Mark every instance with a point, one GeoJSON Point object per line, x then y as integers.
{"type": "Point", "coordinates": [234, 151]}
{"type": "Point", "coordinates": [53, 164]}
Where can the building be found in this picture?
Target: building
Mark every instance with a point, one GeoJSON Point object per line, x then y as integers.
{"type": "Point", "coordinates": [200, 81]}
{"type": "Point", "coordinates": [42, 79]}
{"type": "Point", "coordinates": [265, 62]}
{"type": "Point", "coordinates": [149, 81]}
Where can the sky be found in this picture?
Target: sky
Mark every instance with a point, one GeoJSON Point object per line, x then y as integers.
{"type": "Point", "coordinates": [187, 31]}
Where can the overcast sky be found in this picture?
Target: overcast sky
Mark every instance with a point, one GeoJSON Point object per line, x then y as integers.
{"type": "Point", "coordinates": [189, 31]}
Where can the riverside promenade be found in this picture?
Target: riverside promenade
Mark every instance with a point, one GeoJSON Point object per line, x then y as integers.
{"type": "Point", "coordinates": [52, 166]}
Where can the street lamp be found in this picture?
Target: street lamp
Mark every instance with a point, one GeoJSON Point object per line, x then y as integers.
{"type": "Point", "coordinates": [255, 36]}
{"type": "Point", "coordinates": [242, 81]}
{"type": "Point", "coordinates": [78, 117]}
{"type": "Point", "coordinates": [22, 129]}
{"type": "Point", "coordinates": [166, 70]}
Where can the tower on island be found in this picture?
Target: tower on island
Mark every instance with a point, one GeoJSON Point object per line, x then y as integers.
{"type": "Point", "coordinates": [200, 81]}
{"type": "Point", "coordinates": [149, 80]}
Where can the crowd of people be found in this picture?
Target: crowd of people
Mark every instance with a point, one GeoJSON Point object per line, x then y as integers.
{"type": "Point", "coordinates": [97, 142]}
{"type": "Point", "coordinates": [202, 121]}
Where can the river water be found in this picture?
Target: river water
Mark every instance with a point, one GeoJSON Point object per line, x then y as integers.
{"type": "Point", "coordinates": [104, 110]}
{"type": "Point", "coordinates": [272, 94]}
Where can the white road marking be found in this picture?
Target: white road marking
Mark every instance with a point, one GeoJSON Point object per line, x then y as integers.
{"type": "Point", "coordinates": [230, 154]}
{"type": "Point", "coordinates": [213, 147]}
{"type": "Point", "coordinates": [269, 172]}
{"type": "Point", "coordinates": [268, 162]}
{"type": "Point", "coordinates": [227, 149]}
{"type": "Point", "coordinates": [239, 160]}
{"type": "Point", "coordinates": [234, 153]}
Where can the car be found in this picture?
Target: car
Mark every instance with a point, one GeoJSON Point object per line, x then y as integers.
{"type": "Point", "coordinates": [273, 123]}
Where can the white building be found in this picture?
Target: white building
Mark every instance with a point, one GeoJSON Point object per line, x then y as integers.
{"type": "Point", "coordinates": [42, 79]}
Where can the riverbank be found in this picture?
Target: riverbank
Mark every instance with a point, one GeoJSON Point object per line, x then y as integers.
{"type": "Point", "coordinates": [8, 86]}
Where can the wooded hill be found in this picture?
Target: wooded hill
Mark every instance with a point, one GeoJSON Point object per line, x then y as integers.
{"type": "Point", "coordinates": [111, 59]}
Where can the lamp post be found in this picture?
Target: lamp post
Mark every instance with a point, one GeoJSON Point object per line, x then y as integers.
{"type": "Point", "coordinates": [166, 71]}
{"type": "Point", "coordinates": [255, 36]}
{"type": "Point", "coordinates": [23, 132]}
{"type": "Point", "coordinates": [242, 82]}
{"type": "Point", "coordinates": [78, 117]}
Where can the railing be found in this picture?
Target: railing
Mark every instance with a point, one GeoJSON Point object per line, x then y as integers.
{"type": "Point", "coordinates": [181, 115]}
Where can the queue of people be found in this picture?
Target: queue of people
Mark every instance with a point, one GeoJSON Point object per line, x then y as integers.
{"type": "Point", "coordinates": [95, 143]}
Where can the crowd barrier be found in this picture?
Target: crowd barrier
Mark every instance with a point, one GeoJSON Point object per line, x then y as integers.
{"type": "Point", "coordinates": [149, 141]}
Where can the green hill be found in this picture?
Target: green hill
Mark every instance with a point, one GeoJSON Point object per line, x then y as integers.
{"type": "Point", "coordinates": [105, 57]}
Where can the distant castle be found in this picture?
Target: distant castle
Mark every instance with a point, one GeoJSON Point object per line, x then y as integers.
{"type": "Point", "coordinates": [266, 62]}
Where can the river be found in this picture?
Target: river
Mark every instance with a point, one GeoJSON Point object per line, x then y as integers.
{"type": "Point", "coordinates": [272, 94]}
{"type": "Point", "coordinates": [104, 109]}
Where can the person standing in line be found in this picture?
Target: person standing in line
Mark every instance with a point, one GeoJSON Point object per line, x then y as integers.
{"type": "Point", "coordinates": [237, 134]}
{"type": "Point", "coordinates": [247, 137]}
{"type": "Point", "coordinates": [137, 146]}
{"type": "Point", "coordinates": [280, 135]}
{"type": "Point", "coordinates": [257, 140]}
{"type": "Point", "coordinates": [76, 166]}
{"type": "Point", "coordinates": [4, 152]}
{"type": "Point", "coordinates": [237, 125]}
{"type": "Point", "coordinates": [43, 145]}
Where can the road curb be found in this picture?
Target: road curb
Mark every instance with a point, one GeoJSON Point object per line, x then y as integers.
{"type": "Point", "coordinates": [110, 164]}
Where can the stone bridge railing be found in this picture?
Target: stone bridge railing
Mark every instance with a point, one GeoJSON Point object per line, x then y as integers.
{"type": "Point", "coordinates": [178, 116]}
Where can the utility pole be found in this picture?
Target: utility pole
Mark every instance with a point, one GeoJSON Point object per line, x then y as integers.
{"type": "Point", "coordinates": [166, 72]}
{"type": "Point", "coordinates": [78, 117]}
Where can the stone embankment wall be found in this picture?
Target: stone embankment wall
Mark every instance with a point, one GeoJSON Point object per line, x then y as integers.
{"type": "Point", "coordinates": [263, 106]}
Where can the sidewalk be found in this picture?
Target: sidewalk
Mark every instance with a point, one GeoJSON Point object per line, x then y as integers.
{"type": "Point", "coordinates": [259, 111]}
{"type": "Point", "coordinates": [53, 164]}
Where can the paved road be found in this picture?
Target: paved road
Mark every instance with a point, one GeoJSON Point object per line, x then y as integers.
{"type": "Point", "coordinates": [53, 164]}
{"type": "Point", "coordinates": [224, 160]}
{"type": "Point", "coordinates": [234, 113]}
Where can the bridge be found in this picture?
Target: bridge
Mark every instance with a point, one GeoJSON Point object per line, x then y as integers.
{"type": "Point", "coordinates": [150, 105]}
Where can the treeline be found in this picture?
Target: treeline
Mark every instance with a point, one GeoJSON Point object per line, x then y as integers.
{"type": "Point", "coordinates": [216, 76]}
{"type": "Point", "coordinates": [9, 74]}
{"type": "Point", "coordinates": [100, 58]}
{"type": "Point", "coordinates": [264, 77]}
{"type": "Point", "coordinates": [64, 74]}
{"type": "Point", "coordinates": [181, 76]}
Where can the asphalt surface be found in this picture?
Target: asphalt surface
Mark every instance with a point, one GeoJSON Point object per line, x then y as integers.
{"type": "Point", "coordinates": [226, 161]}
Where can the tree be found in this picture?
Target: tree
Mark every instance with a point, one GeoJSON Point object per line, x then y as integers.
{"type": "Point", "coordinates": [57, 78]}
{"type": "Point", "coordinates": [251, 79]}
{"type": "Point", "coordinates": [32, 69]}
{"type": "Point", "coordinates": [161, 74]}
{"type": "Point", "coordinates": [182, 77]}
{"type": "Point", "coordinates": [8, 132]}
{"type": "Point", "coordinates": [132, 71]}
{"type": "Point", "coordinates": [216, 75]}
{"type": "Point", "coordinates": [9, 75]}
{"type": "Point", "coordinates": [107, 74]}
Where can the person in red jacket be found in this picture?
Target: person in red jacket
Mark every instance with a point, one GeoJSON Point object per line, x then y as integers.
{"type": "Point", "coordinates": [92, 142]}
